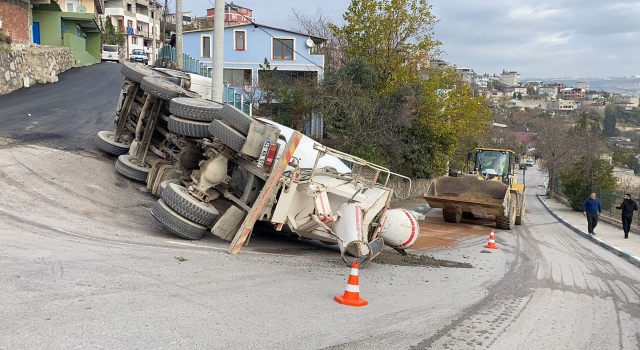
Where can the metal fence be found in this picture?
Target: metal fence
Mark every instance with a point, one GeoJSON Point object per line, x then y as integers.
{"type": "Point", "coordinates": [192, 65]}
{"type": "Point", "coordinates": [609, 199]}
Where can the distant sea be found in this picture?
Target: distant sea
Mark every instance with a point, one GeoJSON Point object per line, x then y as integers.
{"type": "Point", "coordinates": [622, 85]}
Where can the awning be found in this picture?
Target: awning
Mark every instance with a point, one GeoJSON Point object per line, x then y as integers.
{"type": "Point", "coordinates": [85, 20]}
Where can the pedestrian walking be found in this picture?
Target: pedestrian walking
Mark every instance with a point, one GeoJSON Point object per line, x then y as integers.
{"type": "Point", "coordinates": [591, 208]}
{"type": "Point", "coordinates": [628, 206]}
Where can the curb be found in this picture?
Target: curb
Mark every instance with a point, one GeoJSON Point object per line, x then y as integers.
{"type": "Point", "coordinates": [635, 260]}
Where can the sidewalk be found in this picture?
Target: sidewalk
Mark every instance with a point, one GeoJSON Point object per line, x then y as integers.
{"type": "Point", "coordinates": [608, 236]}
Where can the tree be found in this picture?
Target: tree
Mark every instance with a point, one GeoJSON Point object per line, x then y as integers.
{"type": "Point", "coordinates": [392, 37]}
{"type": "Point", "coordinates": [556, 147]}
{"type": "Point", "coordinates": [109, 33]}
{"type": "Point", "coordinates": [531, 90]}
{"type": "Point", "coordinates": [585, 177]}
{"type": "Point", "coordinates": [519, 96]}
{"type": "Point", "coordinates": [319, 24]}
{"type": "Point", "coordinates": [610, 118]}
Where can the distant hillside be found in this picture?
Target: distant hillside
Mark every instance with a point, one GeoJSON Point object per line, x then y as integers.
{"type": "Point", "coordinates": [619, 85]}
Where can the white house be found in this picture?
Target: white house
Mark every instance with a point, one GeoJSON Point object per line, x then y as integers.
{"type": "Point", "coordinates": [510, 78]}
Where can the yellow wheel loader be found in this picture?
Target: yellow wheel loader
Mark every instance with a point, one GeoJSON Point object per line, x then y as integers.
{"type": "Point", "coordinates": [490, 188]}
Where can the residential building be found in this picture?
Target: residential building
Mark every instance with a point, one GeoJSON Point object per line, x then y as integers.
{"type": "Point", "coordinates": [627, 101]}
{"type": "Point", "coordinates": [482, 80]}
{"type": "Point", "coordinates": [496, 94]}
{"type": "Point", "coordinates": [536, 84]}
{"type": "Point", "coordinates": [572, 93]}
{"type": "Point", "coordinates": [533, 104]}
{"type": "Point", "coordinates": [14, 20]}
{"type": "Point", "coordinates": [509, 91]}
{"type": "Point", "coordinates": [233, 14]}
{"type": "Point", "coordinates": [515, 103]}
{"type": "Point", "coordinates": [78, 30]}
{"type": "Point", "coordinates": [581, 85]}
{"type": "Point", "coordinates": [186, 18]}
{"type": "Point", "coordinates": [548, 90]}
{"type": "Point", "coordinates": [563, 105]}
{"type": "Point", "coordinates": [558, 85]}
{"type": "Point", "coordinates": [594, 97]}
{"type": "Point", "coordinates": [294, 54]}
{"type": "Point", "coordinates": [434, 63]}
{"type": "Point", "coordinates": [139, 20]}
{"type": "Point", "coordinates": [466, 74]}
{"type": "Point", "coordinates": [592, 106]}
{"type": "Point", "coordinates": [510, 78]}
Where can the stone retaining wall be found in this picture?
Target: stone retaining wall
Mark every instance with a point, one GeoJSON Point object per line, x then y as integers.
{"type": "Point", "coordinates": [23, 67]}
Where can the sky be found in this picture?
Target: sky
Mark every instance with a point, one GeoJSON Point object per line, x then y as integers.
{"type": "Point", "coordinates": [542, 38]}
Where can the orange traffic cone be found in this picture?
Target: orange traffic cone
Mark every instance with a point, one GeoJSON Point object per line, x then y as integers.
{"type": "Point", "coordinates": [492, 241]}
{"type": "Point", "coordinates": [351, 295]}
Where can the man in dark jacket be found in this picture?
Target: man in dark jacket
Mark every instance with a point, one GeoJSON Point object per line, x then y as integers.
{"type": "Point", "coordinates": [628, 206]}
{"type": "Point", "coordinates": [591, 208]}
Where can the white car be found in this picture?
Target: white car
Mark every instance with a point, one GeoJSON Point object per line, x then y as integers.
{"type": "Point", "coordinates": [110, 53]}
{"type": "Point", "coordinates": [529, 162]}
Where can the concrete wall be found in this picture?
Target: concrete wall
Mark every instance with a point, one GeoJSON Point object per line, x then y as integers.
{"type": "Point", "coordinates": [23, 67]}
{"type": "Point", "coordinates": [14, 15]}
{"type": "Point", "coordinates": [50, 27]}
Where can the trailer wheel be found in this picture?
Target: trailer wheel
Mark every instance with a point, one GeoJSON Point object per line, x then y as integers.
{"type": "Point", "coordinates": [195, 109]}
{"type": "Point", "coordinates": [227, 135]}
{"type": "Point", "coordinates": [136, 72]}
{"type": "Point", "coordinates": [176, 223]}
{"type": "Point", "coordinates": [189, 128]}
{"type": "Point", "coordinates": [178, 198]}
{"type": "Point", "coordinates": [454, 216]}
{"type": "Point", "coordinates": [236, 118]}
{"type": "Point", "coordinates": [128, 166]}
{"type": "Point", "coordinates": [162, 88]}
{"type": "Point", "coordinates": [105, 140]}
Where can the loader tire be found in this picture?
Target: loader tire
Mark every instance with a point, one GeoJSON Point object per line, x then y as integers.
{"type": "Point", "coordinates": [105, 140]}
{"type": "Point", "coordinates": [136, 72]}
{"type": "Point", "coordinates": [127, 165]}
{"type": "Point", "coordinates": [189, 128]}
{"type": "Point", "coordinates": [453, 216]}
{"type": "Point", "coordinates": [178, 198]}
{"type": "Point", "coordinates": [236, 118]}
{"type": "Point", "coordinates": [509, 221]}
{"type": "Point", "coordinates": [195, 109]}
{"type": "Point", "coordinates": [162, 88]}
{"type": "Point", "coordinates": [227, 135]}
{"type": "Point", "coordinates": [176, 223]}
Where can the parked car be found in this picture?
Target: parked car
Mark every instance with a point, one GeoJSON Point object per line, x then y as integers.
{"type": "Point", "coordinates": [110, 53]}
{"type": "Point", "coordinates": [529, 162]}
{"type": "Point", "coordinates": [139, 56]}
{"type": "Point", "coordinates": [523, 166]}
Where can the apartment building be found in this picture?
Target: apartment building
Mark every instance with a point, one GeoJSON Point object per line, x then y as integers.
{"type": "Point", "coordinates": [233, 14]}
{"type": "Point", "coordinates": [510, 78]}
{"type": "Point", "coordinates": [548, 90]}
{"type": "Point", "coordinates": [572, 93]}
{"type": "Point", "coordinates": [139, 20]}
{"type": "Point", "coordinates": [466, 74]}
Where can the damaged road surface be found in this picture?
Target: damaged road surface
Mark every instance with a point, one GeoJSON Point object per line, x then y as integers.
{"type": "Point", "coordinates": [85, 265]}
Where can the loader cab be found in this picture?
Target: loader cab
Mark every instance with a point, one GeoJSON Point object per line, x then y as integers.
{"type": "Point", "coordinates": [495, 164]}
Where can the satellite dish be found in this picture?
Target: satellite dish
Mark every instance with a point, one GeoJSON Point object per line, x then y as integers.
{"type": "Point", "coordinates": [310, 43]}
{"type": "Point", "coordinates": [81, 9]}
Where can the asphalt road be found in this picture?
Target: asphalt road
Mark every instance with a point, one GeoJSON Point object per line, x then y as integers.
{"type": "Point", "coordinates": [66, 114]}
{"type": "Point", "coordinates": [84, 265]}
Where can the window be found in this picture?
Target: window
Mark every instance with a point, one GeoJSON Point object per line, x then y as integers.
{"type": "Point", "coordinates": [205, 47]}
{"type": "Point", "coordinates": [237, 77]}
{"type": "Point", "coordinates": [69, 7]}
{"type": "Point", "coordinates": [240, 40]}
{"type": "Point", "coordinates": [78, 31]}
{"type": "Point", "coordinates": [282, 49]}
{"type": "Point", "coordinates": [134, 40]}
{"type": "Point", "coordinates": [129, 7]}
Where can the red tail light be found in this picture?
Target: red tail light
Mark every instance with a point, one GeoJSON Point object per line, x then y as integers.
{"type": "Point", "coordinates": [271, 155]}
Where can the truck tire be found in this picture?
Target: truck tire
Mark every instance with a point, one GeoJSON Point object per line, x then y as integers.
{"type": "Point", "coordinates": [454, 216]}
{"type": "Point", "coordinates": [195, 109]}
{"type": "Point", "coordinates": [105, 140]}
{"type": "Point", "coordinates": [162, 88]}
{"type": "Point", "coordinates": [178, 198]}
{"type": "Point", "coordinates": [176, 223]}
{"type": "Point", "coordinates": [128, 167]}
{"type": "Point", "coordinates": [136, 72]}
{"type": "Point", "coordinates": [236, 118]}
{"type": "Point", "coordinates": [227, 135]}
{"type": "Point", "coordinates": [189, 128]}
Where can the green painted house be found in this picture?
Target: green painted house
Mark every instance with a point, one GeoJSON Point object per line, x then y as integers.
{"type": "Point", "coordinates": [78, 31]}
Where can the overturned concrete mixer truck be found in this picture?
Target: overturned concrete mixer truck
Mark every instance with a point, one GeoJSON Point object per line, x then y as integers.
{"type": "Point", "coordinates": [218, 169]}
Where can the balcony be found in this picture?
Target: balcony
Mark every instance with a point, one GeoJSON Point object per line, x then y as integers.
{"type": "Point", "coordinates": [142, 18]}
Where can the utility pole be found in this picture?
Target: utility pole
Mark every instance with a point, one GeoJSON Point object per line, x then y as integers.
{"type": "Point", "coordinates": [179, 33]}
{"type": "Point", "coordinates": [154, 32]}
{"type": "Point", "coordinates": [218, 52]}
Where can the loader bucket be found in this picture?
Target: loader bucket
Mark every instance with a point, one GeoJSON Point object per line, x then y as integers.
{"type": "Point", "coordinates": [469, 193]}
